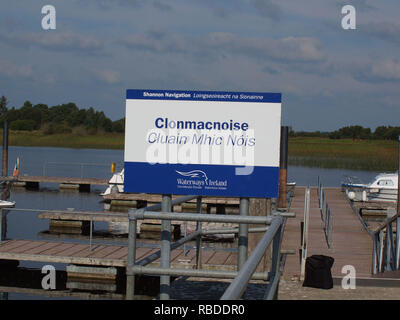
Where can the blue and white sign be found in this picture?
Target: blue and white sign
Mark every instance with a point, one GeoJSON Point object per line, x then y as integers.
{"type": "Point", "coordinates": [202, 143]}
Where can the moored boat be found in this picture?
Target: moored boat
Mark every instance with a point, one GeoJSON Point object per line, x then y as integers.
{"type": "Point", "coordinates": [7, 204]}
{"type": "Point", "coordinates": [382, 188]}
{"type": "Point", "coordinates": [116, 184]}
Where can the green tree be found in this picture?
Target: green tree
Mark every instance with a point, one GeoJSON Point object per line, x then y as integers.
{"type": "Point", "coordinates": [119, 126]}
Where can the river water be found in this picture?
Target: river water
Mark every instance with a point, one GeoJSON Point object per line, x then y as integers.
{"type": "Point", "coordinates": [96, 164]}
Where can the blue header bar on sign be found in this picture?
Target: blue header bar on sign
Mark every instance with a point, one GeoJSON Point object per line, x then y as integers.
{"type": "Point", "coordinates": [204, 96]}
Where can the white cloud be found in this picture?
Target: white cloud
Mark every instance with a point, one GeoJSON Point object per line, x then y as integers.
{"type": "Point", "coordinates": [58, 41]}
{"type": "Point", "coordinates": [387, 70]}
{"type": "Point", "coordinates": [12, 70]}
{"type": "Point", "coordinates": [107, 76]}
{"type": "Point", "coordinates": [220, 44]}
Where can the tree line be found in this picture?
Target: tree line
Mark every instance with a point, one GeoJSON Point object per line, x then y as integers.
{"type": "Point", "coordinates": [354, 132]}
{"type": "Point", "coordinates": [63, 118]}
{"type": "Point", "coordinates": [68, 118]}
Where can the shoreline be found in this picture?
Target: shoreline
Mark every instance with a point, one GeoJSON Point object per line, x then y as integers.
{"type": "Point", "coordinates": [367, 155]}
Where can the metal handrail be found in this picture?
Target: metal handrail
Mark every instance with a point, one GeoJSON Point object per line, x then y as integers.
{"type": "Point", "coordinates": [385, 250]}
{"type": "Point", "coordinates": [386, 247]}
{"type": "Point", "coordinates": [326, 213]}
{"type": "Point", "coordinates": [386, 223]}
{"type": "Point", "coordinates": [141, 214]}
{"type": "Point", "coordinates": [304, 240]}
{"type": "Point", "coordinates": [239, 284]}
{"type": "Point", "coordinates": [274, 231]}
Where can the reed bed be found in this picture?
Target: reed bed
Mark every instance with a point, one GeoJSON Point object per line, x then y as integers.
{"type": "Point", "coordinates": [67, 140]}
{"type": "Point", "coordinates": [370, 155]}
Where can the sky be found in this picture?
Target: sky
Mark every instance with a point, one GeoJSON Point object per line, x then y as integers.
{"type": "Point", "coordinates": [329, 77]}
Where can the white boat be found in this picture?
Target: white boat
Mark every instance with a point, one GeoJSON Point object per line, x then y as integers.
{"type": "Point", "coordinates": [7, 204]}
{"type": "Point", "coordinates": [382, 188]}
{"type": "Point", "coordinates": [116, 184]}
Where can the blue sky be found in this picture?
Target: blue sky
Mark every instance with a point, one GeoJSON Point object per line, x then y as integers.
{"type": "Point", "coordinates": [328, 77]}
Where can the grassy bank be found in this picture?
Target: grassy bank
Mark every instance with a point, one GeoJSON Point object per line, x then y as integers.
{"type": "Point", "coordinates": [376, 155]}
{"type": "Point", "coordinates": [66, 140]}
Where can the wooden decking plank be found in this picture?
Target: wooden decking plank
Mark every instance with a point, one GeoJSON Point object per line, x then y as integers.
{"type": "Point", "coordinates": [10, 244]}
{"type": "Point", "coordinates": [106, 251]}
{"type": "Point", "coordinates": [219, 258]}
{"type": "Point", "coordinates": [144, 252]}
{"type": "Point", "coordinates": [90, 251]}
{"type": "Point", "coordinates": [85, 216]}
{"type": "Point", "coordinates": [72, 250]}
{"type": "Point", "coordinates": [72, 180]}
{"type": "Point", "coordinates": [28, 246]}
{"type": "Point", "coordinates": [174, 255]}
{"type": "Point", "coordinates": [190, 255]}
{"type": "Point", "coordinates": [59, 248]}
{"type": "Point", "coordinates": [206, 256]}
{"type": "Point", "coordinates": [40, 249]}
{"type": "Point", "coordinates": [119, 254]}
{"type": "Point", "coordinates": [106, 255]}
{"type": "Point", "coordinates": [232, 259]}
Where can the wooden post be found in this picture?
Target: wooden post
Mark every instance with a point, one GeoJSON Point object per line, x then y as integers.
{"type": "Point", "coordinates": [5, 192]}
{"type": "Point", "coordinates": [283, 167]}
{"type": "Point", "coordinates": [2, 226]}
{"type": "Point", "coordinates": [5, 150]}
{"type": "Point", "coordinates": [258, 207]}
{"type": "Point", "coordinates": [269, 206]}
{"type": "Point", "coordinates": [243, 236]}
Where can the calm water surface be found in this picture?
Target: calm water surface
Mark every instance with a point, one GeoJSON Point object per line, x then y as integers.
{"type": "Point", "coordinates": [96, 163]}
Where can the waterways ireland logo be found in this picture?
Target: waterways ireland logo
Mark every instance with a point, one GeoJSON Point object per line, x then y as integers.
{"type": "Point", "coordinates": [194, 174]}
{"type": "Point", "coordinates": [197, 179]}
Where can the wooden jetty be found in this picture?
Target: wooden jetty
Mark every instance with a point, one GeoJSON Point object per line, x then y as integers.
{"type": "Point", "coordinates": [66, 293]}
{"type": "Point", "coordinates": [215, 205]}
{"type": "Point", "coordinates": [33, 182]}
{"type": "Point", "coordinates": [351, 244]}
{"type": "Point", "coordinates": [72, 215]}
{"type": "Point", "coordinates": [78, 222]}
{"type": "Point", "coordinates": [107, 255]}
{"type": "Point", "coordinates": [374, 208]}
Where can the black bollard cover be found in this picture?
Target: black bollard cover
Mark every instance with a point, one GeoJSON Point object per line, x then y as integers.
{"type": "Point", "coordinates": [318, 272]}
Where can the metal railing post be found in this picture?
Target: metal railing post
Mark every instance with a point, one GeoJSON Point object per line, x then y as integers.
{"type": "Point", "coordinates": [165, 248]}
{"type": "Point", "coordinates": [330, 228]}
{"type": "Point", "coordinates": [397, 249]}
{"type": "Point", "coordinates": [380, 248]}
{"type": "Point", "coordinates": [199, 249]}
{"type": "Point", "coordinates": [243, 236]}
{"type": "Point", "coordinates": [91, 233]}
{"type": "Point", "coordinates": [2, 226]}
{"type": "Point", "coordinates": [305, 233]}
{"type": "Point", "coordinates": [275, 265]}
{"type": "Point", "coordinates": [130, 275]}
{"type": "Point", "coordinates": [388, 249]}
{"type": "Point", "coordinates": [374, 254]}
